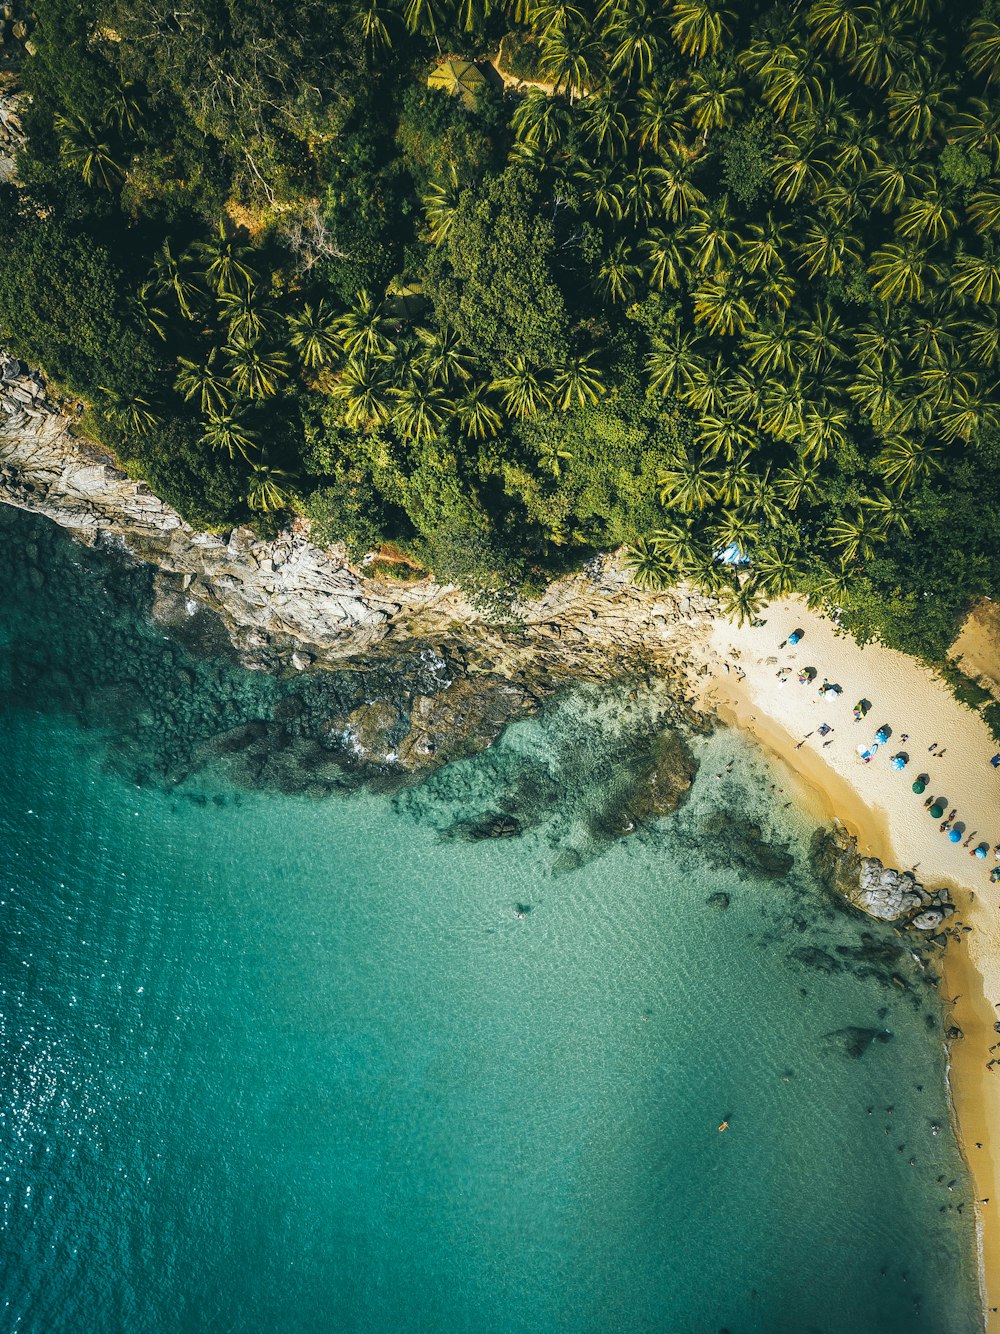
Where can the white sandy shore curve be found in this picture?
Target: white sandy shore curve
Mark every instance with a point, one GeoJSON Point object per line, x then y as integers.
{"type": "Point", "coordinates": [878, 805]}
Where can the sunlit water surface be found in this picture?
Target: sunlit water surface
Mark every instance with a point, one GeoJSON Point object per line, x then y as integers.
{"type": "Point", "coordinates": [277, 1063]}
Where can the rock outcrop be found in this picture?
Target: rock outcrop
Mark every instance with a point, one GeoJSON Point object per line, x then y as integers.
{"type": "Point", "coordinates": [289, 604]}
{"type": "Point", "coordinates": [879, 891]}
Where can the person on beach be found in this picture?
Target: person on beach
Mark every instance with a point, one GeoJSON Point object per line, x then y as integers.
{"type": "Point", "coordinates": [932, 746]}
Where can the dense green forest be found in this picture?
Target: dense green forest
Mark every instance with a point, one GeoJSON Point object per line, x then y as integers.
{"type": "Point", "coordinates": [728, 275]}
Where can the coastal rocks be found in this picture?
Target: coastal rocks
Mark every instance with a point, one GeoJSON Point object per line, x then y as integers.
{"type": "Point", "coordinates": [654, 786]}
{"type": "Point", "coordinates": [854, 1042]}
{"type": "Point", "coordinates": [719, 901]}
{"type": "Point", "coordinates": [290, 606]}
{"type": "Point", "coordinates": [879, 891]}
{"type": "Point", "coordinates": [736, 842]}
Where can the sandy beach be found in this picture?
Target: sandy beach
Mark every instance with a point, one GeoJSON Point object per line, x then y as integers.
{"type": "Point", "coordinates": [749, 686]}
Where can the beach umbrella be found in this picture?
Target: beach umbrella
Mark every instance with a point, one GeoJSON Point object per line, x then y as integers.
{"type": "Point", "coordinates": [981, 851]}
{"type": "Point", "coordinates": [954, 835]}
{"type": "Point", "coordinates": [919, 786]}
{"type": "Point", "coordinates": [897, 762]}
{"type": "Point", "coordinates": [937, 811]}
{"type": "Point", "coordinates": [795, 636]}
{"type": "Point", "coordinates": [883, 734]}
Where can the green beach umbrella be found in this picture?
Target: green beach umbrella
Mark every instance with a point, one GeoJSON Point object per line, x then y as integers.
{"type": "Point", "coordinates": [937, 811]}
{"type": "Point", "coordinates": [918, 786]}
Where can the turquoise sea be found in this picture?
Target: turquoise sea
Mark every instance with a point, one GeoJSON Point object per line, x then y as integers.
{"type": "Point", "coordinates": [276, 1061]}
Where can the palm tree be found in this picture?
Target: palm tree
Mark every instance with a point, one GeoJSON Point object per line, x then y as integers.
{"type": "Point", "coordinates": [677, 192]}
{"type": "Point", "coordinates": [927, 219]}
{"type": "Point", "coordinates": [442, 358]}
{"type": "Point", "coordinates": [901, 272]}
{"type": "Point", "coordinates": [907, 460]}
{"type": "Point", "coordinates": [725, 436]}
{"type": "Point", "coordinates": [689, 485]}
{"type": "Point", "coordinates": [268, 490]}
{"type": "Point", "coordinates": [800, 165]}
{"type": "Point", "coordinates": [228, 431]}
{"type": "Point", "coordinates": [919, 103]}
{"type": "Point", "coordinates": [983, 208]}
{"type": "Point", "coordinates": [680, 544]}
{"type": "Point", "coordinates": [225, 267]}
{"type": "Point", "coordinates": [648, 565]}
{"type": "Point", "coordinates": [700, 27]}
{"type": "Point", "coordinates": [522, 389]}
{"type": "Point", "coordinates": [790, 77]}
{"type": "Point", "coordinates": [772, 347]}
{"type": "Point", "coordinates": [762, 250]}
{"type": "Point", "coordinates": [577, 380]}
{"type": "Point", "coordinates": [637, 193]}
{"type": "Point", "coordinates": [969, 413]}
{"type": "Point", "coordinates": [176, 276]}
{"type": "Point", "coordinates": [982, 51]}
{"type": "Point", "coordinates": [983, 337]}
{"type": "Point", "coordinates": [131, 413]}
{"type": "Point", "coordinates": [711, 239]}
{"type": "Point", "coordinates": [204, 381]}
{"type": "Point", "coordinates": [441, 205]}
{"type": "Point", "coordinates": [602, 190]}
{"type": "Point", "coordinates": [421, 410]}
{"type": "Point", "coordinates": [977, 277]}
{"type": "Point", "coordinates": [673, 362]}
{"type": "Point", "coordinates": [783, 403]}
{"type": "Point", "coordinates": [423, 16]}
{"type": "Point", "coordinates": [881, 50]}
{"type": "Point", "coordinates": [553, 16]}
{"type": "Point", "coordinates": [659, 120]}
{"type": "Point", "coordinates": [715, 97]}
{"type": "Point", "coordinates": [734, 483]}
{"type": "Point", "coordinates": [552, 456]}
{"type": "Point", "coordinates": [878, 389]}
{"type": "Point", "coordinates": [148, 307]}
{"type": "Point", "coordinates": [835, 26]}
{"type": "Point", "coordinates": [83, 149]}
{"type": "Point", "coordinates": [776, 571]}
{"type": "Point", "coordinates": [570, 56]}
{"type": "Point", "coordinates": [707, 390]}
{"type": "Point", "coordinates": [743, 603]}
{"type": "Point", "coordinates": [855, 537]}
{"type": "Point", "coordinates": [373, 19]}
{"type": "Point", "coordinates": [313, 335]}
{"type": "Point", "coordinates": [663, 258]}
{"type": "Point", "coordinates": [798, 484]}
{"type": "Point", "coordinates": [604, 126]}
{"type": "Point", "coordinates": [618, 273]}
{"type": "Point", "coordinates": [827, 248]}
{"type": "Point", "coordinates": [888, 185]}
{"type": "Point", "coordinates": [126, 110]}
{"type": "Point", "coordinates": [634, 36]}
{"type": "Point", "coordinates": [363, 387]}
{"type": "Point", "coordinates": [541, 120]}
{"type": "Point", "coordinates": [978, 127]}
{"type": "Point", "coordinates": [821, 337]}
{"type": "Point", "coordinates": [476, 415]}
{"type": "Point", "coordinates": [719, 303]}
{"type": "Point", "coordinates": [248, 317]}
{"type": "Point", "coordinates": [363, 328]}
{"type": "Point", "coordinates": [256, 371]}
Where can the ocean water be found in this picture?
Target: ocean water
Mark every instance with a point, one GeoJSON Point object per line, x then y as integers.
{"type": "Point", "coordinates": [274, 1061]}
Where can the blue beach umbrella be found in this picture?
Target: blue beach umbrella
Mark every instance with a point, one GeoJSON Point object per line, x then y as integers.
{"type": "Point", "coordinates": [883, 734]}
{"type": "Point", "coordinates": [981, 851]}
{"type": "Point", "coordinates": [898, 762]}
{"type": "Point", "coordinates": [954, 835]}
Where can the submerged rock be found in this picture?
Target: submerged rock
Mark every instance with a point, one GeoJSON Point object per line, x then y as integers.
{"type": "Point", "coordinates": [719, 901]}
{"type": "Point", "coordinates": [856, 1041]}
{"type": "Point", "coordinates": [740, 843]}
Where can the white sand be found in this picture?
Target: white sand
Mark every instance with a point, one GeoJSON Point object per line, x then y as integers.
{"type": "Point", "coordinates": [878, 805]}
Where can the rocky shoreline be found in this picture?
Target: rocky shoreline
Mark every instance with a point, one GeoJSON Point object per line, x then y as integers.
{"type": "Point", "coordinates": [408, 676]}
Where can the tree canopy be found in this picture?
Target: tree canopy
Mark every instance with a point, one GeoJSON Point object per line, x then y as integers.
{"type": "Point", "coordinates": [729, 274]}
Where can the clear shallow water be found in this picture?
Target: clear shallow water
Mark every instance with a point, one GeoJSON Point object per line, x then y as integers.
{"type": "Point", "coordinates": [269, 1062]}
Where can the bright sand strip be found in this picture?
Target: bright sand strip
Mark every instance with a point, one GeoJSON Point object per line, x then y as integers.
{"type": "Point", "coordinates": [877, 804]}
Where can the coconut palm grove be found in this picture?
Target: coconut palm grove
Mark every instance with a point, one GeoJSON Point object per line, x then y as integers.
{"type": "Point", "coordinates": [493, 287]}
